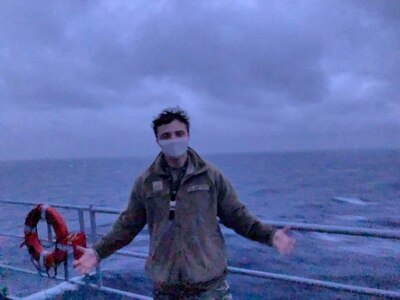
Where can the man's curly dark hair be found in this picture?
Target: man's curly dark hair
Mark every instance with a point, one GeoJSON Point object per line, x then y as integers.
{"type": "Point", "coordinates": [170, 114]}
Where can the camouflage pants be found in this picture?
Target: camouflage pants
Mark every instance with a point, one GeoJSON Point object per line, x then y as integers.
{"type": "Point", "coordinates": [219, 292]}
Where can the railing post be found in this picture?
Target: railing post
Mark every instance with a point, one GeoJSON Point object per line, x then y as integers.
{"type": "Point", "coordinates": [94, 239]}
{"type": "Point", "coordinates": [66, 274]}
{"type": "Point", "coordinates": [81, 220]}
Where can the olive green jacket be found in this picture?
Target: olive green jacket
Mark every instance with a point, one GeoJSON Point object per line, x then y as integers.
{"type": "Point", "coordinates": [189, 249]}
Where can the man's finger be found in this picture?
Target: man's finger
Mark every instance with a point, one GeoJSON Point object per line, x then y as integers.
{"type": "Point", "coordinates": [286, 229]}
{"type": "Point", "coordinates": [80, 248]}
{"type": "Point", "coordinates": [76, 263]}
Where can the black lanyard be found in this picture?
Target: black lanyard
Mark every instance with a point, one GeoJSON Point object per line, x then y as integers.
{"type": "Point", "coordinates": [174, 186]}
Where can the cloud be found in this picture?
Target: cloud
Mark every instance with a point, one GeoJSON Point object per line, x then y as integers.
{"type": "Point", "coordinates": [73, 59]}
{"type": "Point", "coordinates": [283, 68]}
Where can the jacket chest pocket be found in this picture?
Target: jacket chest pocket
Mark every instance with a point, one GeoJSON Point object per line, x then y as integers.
{"type": "Point", "coordinates": [199, 197]}
{"type": "Point", "coordinates": [198, 188]}
{"type": "Point", "coordinates": [157, 204]}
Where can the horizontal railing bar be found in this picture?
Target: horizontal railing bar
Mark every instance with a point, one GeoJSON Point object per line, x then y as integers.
{"type": "Point", "coordinates": [26, 203]}
{"type": "Point", "coordinates": [106, 289]}
{"type": "Point", "coordinates": [12, 235]}
{"type": "Point", "coordinates": [315, 282]}
{"type": "Point", "coordinates": [365, 232]}
{"type": "Point", "coordinates": [132, 254]}
{"type": "Point", "coordinates": [120, 252]}
{"type": "Point", "coordinates": [80, 282]}
{"type": "Point", "coordinates": [106, 210]}
{"type": "Point", "coordinates": [16, 269]}
{"type": "Point", "coordinates": [19, 236]}
{"type": "Point", "coordinates": [303, 280]}
{"type": "Point", "coordinates": [54, 292]}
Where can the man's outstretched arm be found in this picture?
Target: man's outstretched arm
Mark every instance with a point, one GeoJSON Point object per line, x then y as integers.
{"type": "Point", "coordinates": [236, 216]}
{"type": "Point", "coordinates": [129, 223]}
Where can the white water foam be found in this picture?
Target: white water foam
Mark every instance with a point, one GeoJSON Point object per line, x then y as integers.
{"type": "Point", "coordinates": [354, 201]}
{"type": "Point", "coordinates": [351, 218]}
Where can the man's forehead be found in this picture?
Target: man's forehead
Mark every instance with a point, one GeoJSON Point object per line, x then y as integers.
{"type": "Point", "coordinates": [172, 127]}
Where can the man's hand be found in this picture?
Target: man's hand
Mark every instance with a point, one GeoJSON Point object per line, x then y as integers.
{"type": "Point", "coordinates": [282, 242]}
{"type": "Point", "coordinates": [87, 261]}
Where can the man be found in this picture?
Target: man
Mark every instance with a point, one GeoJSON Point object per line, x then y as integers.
{"type": "Point", "coordinates": [180, 197]}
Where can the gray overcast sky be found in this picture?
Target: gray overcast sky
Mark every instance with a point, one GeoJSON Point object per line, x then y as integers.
{"type": "Point", "coordinates": [86, 80]}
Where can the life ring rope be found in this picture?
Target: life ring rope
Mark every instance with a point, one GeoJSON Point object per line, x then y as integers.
{"type": "Point", "coordinates": [43, 210]}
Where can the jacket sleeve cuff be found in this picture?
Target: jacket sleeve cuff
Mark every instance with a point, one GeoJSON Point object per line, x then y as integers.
{"type": "Point", "coordinates": [98, 253]}
{"type": "Point", "coordinates": [271, 237]}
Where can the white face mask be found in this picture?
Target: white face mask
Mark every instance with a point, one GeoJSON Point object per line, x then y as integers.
{"type": "Point", "coordinates": [174, 147]}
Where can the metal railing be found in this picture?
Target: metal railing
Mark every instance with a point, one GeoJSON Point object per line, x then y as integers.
{"type": "Point", "coordinates": [92, 210]}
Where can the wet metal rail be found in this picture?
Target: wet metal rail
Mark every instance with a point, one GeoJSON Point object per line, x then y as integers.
{"type": "Point", "coordinates": [80, 280]}
{"type": "Point", "coordinates": [92, 211]}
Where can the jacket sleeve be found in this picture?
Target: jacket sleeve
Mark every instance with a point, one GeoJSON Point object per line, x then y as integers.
{"type": "Point", "coordinates": [129, 223]}
{"type": "Point", "coordinates": [235, 215]}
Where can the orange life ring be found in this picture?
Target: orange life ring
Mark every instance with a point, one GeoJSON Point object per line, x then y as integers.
{"type": "Point", "coordinates": [35, 249]}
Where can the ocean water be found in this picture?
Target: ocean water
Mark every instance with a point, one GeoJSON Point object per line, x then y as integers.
{"type": "Point", "coordinates": [349, 188]}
